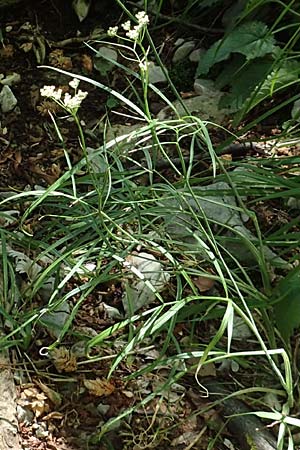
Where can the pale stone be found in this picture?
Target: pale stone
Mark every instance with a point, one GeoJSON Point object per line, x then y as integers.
{"type": "Point", "coordinates": [218, 209]}
{"type": "Point", "coordinates": [203, 86]}
{"type": "Point", "coordinates": [156, 74]}
{"type": "Point", "coordinates": [196, 54]}
{"type": "Point", "coordinates": [8, 100]}
{"type": "Point", "coordinates": [183, 51]}
{"type": "Point", "coordinates": [178, 42]}
{"type": "Point", "coordinates": [205, 106]}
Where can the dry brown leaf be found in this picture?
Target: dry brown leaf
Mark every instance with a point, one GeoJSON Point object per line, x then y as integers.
{"type": "Point", "coordinates": [48, 106]}
{"type": "Point", "coordinates": [49, 178]}
{"type": "Point", "coordinates": [87, 63]}
{"type": "Point", "coordinates": [7, 51]}
{"type": "Point", "coordinates": [53, 396]}
{"type": "Point", "coordinates": [208, 370]}
{"type": "Point", "coordinates": [34, 400]}
{"type": "Point", "coordinates": [226, 157]}
{"type": "Point", "coordinates": [187, 94]}
{"type": "Point", "coordinates": [99, 387]}
{"type": "Point", "coordinates": [204, 284]}
{"type": "Point", "coordinates": [128, 394]}
{"type": "Point", "coordinates": [64, 359]}
{"type": "Point", "coordinates": [18, 157]}
{"type": "Point", "coordinates": [53, 415]}
{"type": "Point", "coordinates": [26, 47]}
{"type": "Point", "coordinates": [58, 59]}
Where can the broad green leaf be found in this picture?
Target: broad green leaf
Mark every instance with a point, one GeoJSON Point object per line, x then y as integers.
{"type": "Point", "coordinates": [251, 39]}
{"type": "Point", "coordinates": [280, 77]}
{"type": "Point", "coordinates": [255, 81]}
{"type": "Point", "coordinates": [243, 82]}
{"type": "Point", "coordinates": [287, 310]}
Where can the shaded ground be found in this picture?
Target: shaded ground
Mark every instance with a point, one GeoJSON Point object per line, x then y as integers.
{"type": "Point", "coordinates": [36, 34]}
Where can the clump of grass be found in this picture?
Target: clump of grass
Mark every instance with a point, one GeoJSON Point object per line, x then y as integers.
{"type": "Point", "coordinates": [100, 216]}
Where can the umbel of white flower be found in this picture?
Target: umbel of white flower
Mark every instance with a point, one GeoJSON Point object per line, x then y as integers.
{"type": "Point", "coordinates": [134, 32]}
{"type": "Point", "coordinates": [68, 102]}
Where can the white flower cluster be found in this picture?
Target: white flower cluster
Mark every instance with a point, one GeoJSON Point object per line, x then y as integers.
{"type": "Point", "coordinates": [69, 102]}
{"type": "Point", "coordinates": [49, 91]}
{"type": "Point", "coordinates": [132, 33]}
{"type": "Point", "coordinates": [112, 31]}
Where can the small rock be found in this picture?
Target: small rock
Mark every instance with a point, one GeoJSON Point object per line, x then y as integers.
{"type": "Point", "coordinates": [55, 320]}
{"type": "Point", "coordinates": [103, 409]}
{"type": "Point", "coordinates": [205, 106]}
{"type": "Point", "coordinates": [240, 329]}
{"type": "Point", "coordinates": [96, 160]}
{"type": "Point", "coordinates": [183, 51]}
{"type": "Point", "coordinates": [178, 42]}
{"type": "Point", "coordinates": [196, 54]}
{"type": "Point", "coordinates": [7, 99]}
{"type": "Point", "coordinates": [24, 415]}
{"type": "Point", "coordinates": [115, 132]}
{"type": "Point", "coordinates": [79, 349]}
{"type": "Point", "coordinates": [156, 74]}
{"type": "Point", "coordinates": [203, 86]}
{"type": "Point", "coordinates": [41, 431]}
{"type": "Point", "coordinates": [293, 203]}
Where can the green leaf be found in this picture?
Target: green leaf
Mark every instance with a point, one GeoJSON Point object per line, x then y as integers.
{"type": "Point", "coordinates": [81, 8]}
{"type": "Point", "coordinates": [251, 39]}
{"type": "Point", "coordinates": [208, 3]}
{"type": "Point", "coordinates": [287, 310]}
{"type": "Point", "coordinates": [279, 78]}
{"type": "Point", "coordinates": [243, 82]}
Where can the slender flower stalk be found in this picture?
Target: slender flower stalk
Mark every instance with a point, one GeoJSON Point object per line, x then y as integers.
{"type": "Point", "coordinates": [135, 34]}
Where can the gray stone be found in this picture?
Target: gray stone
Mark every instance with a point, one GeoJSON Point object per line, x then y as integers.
{"type": "Point", "coordinates": [156, 74]}
{"type": "Point", "coordinates": [293, 203]}
{"type": "Point", "coordinates": [204, 106]}
{"type": "Point", "coordinates": [123, 135]}
{"type": "Point", "coordinates": [203, 86]}
{"type": "Point", "coordinates": [97, 161]}
{"type": "Point", "coordinates": [8, 100]}
{"type": "Point", "coordinates": [221, 211]}
{"type": "Point", "coordinates": [183, 51]}
{"type": "Point", "coordinates": [24, 415]}
{"type": "Point", "coordinates": [178, 42]}
{"type": "Point", "coordinates": [55, 320]}
{"type": "Point", "coordinates": [196, 54]}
